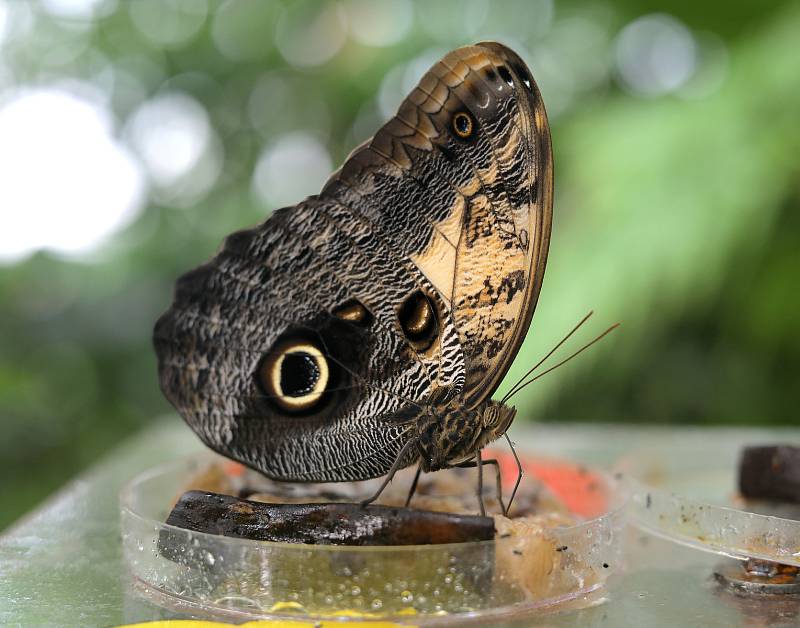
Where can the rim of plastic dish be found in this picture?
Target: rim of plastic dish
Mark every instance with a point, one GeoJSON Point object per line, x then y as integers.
{"type": "Point", "coordinates": [612, 519]}
{"type": "Point", "coordinates": [722, 530]}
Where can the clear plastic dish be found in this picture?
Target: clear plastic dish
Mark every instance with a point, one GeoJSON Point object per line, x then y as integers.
{"type": "Point", "coordinates": [687, 493]}
{"type": "Point", "coordinates": [222, 577]}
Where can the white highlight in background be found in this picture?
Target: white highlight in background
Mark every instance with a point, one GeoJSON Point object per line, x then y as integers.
{"type": "Point", "coordinates": [307, 39]}
{"type": "Point", "coordinates": [379, 22]}
{"type": "Point", "coordinates": [656, 54]}
{"type": "Point", "coordinates": [170, 133]}
{"type": "Point", "coordinates": [5, 21]}
{"type": "Point", "coordinates": [294, 167]}
{"type": "Point", "coordinates": [67, 183]}
{"type": "Point", "coordinates": [73, 9]}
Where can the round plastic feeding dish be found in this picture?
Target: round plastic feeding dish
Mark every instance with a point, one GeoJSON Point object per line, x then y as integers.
{"type": "Point", "coordinates": [687, 493]}
{"type": "Point", "coordinates": [216, 576]}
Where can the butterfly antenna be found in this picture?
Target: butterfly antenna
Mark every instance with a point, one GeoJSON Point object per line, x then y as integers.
{"type": "Point", "coordinates": [565, 360]}
{"type": "Point", "coordinates": [514, 390]}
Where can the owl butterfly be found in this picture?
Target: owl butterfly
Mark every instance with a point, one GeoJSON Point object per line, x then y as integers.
{"type": "Point", "coordinates": [365, 329]}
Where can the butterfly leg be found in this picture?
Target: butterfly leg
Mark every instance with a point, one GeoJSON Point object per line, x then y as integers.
{"type": "Point", "coordinates": [389, 476]}
{"type": "Point", "coordinates": [413, 488]}
{"type": "Point", "coordinates": [480, 483]}
{"type": "Point", "coordinates": [499, 483]}
{"type": "Point", "coordinates": [520, 471]}
{"type": "Point", "coordinates": [498, 478]}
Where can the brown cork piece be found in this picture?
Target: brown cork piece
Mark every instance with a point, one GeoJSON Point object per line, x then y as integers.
{"type": "Point", "coordinates": [770, 472]}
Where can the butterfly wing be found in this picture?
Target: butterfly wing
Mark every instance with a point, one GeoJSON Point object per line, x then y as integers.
{"type": "Point", "coordinates": [473, 213]}
{"type": "Point", "coordinates": [289, 283]}
{"type": "Point", "coordinates": [308, 347]}
{"type": "Point", "coordinates": [497, 312]}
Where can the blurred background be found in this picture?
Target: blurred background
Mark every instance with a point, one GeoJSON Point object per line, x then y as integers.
{"type": "Point", "coordinates": [135, 135]}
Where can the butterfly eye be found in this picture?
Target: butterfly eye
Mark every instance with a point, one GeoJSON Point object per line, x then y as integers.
{"type": "Point", "coordinates": [295, 375]}
{"type": "Point", "coordinates": [418, 320]}
{"type": "Point", "coordinates": [463, 125]}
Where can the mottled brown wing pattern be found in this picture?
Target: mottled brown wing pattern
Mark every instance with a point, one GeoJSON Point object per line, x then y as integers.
{"type": "Point", "coordinates": [476, 214]}
{"type": "Point", "coordinates": [287, 276]}
{"type": "Point", "coordinates": [311, 346]}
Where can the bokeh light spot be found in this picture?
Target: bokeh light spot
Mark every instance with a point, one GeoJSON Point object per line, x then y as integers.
{"type": "Point", "coordinates": [170, 133]}
{"type": "Point", "coordinates": [17, 20]}
{"type": "Point", "coordinates": [391, 94]}
{"type": "Point", "coordinates": [379, 22]}
{"type": "Point", "coordinates": [73, 9]}
{"type": "Point", "coordinates": [401, 79]}
{"type": "Point", "coordinates": [655, 55]}
{"type": "Point", "coordinates": [169, 23]}
{"type": "Point", "coordinates": [309, 34]}
{"type": "Point", "coordinates": [67, 183]}
{"type": "Point", "coordinates": [295, 166]}
{"type": "Point", "coordinates": [4, 21]}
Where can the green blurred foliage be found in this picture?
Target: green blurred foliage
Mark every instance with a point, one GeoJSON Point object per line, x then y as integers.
{"type": "Point", "coordinates": [676, 212]}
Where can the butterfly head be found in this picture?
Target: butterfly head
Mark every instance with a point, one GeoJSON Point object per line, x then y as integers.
{"type": "Point", "coordinates": [496, 418]}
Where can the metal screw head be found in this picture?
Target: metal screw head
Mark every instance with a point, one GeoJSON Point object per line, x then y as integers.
{"type": "Point", "coordinates": [758, 577]}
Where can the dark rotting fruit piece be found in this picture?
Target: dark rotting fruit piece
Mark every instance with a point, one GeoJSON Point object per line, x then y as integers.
{"type": "Point", "coordinates": [326, 523]}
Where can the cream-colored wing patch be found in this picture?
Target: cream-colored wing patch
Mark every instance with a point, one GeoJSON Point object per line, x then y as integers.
{"type": "Point", "coordinates": [493, 277]}
{"type": "Point", "coordinates": [438, 260]}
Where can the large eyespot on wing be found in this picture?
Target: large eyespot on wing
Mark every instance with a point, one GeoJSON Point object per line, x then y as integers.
{"type": "Point", "coordinates": [295, 375]}
{"type": "Point", "coordinates": [286, 353]}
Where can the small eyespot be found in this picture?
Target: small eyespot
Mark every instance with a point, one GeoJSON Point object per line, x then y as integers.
{"type": "Point", "coordinates": [353, 311]}
{"type": "Point", "coordinates": [505, 75]}
{"type": "Point", "coordinates": [418, 320]}
{"type": "Point", "coordinates": [294, 375]}
{"type": "Point", "coordinates": [463, 125]}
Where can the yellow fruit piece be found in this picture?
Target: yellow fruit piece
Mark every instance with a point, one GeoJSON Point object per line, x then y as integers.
{"type": "Point", "coordinates": [267, 623]}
